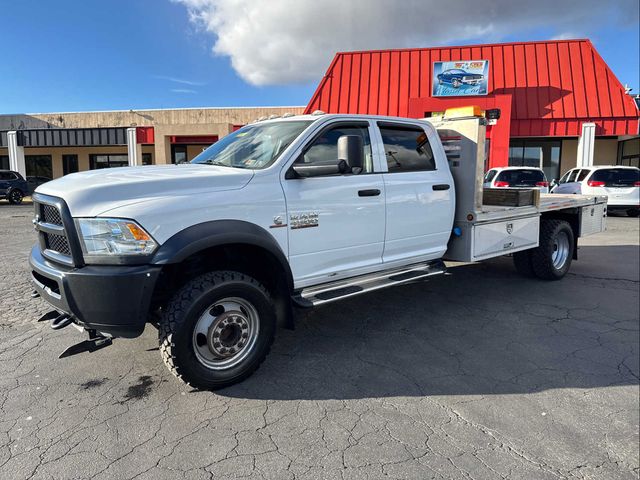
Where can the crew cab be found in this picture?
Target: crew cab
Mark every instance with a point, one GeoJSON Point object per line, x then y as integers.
{"type": "Point", "coordinates": [286, 213]}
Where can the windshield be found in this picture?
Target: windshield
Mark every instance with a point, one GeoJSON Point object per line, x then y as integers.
{"type": "Point", "coordinates": [254, 146]}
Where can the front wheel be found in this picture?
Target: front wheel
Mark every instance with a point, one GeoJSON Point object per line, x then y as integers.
{"type": "Point", "coordinates": [15, 197]}
{"type": "Point", "coordinates": [217, 329]}
{"type": "Point", "coordinates": [552, 258]}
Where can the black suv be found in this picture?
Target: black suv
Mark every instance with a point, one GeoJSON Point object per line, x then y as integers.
{"type": "Point", "coordinates": [12, 186]}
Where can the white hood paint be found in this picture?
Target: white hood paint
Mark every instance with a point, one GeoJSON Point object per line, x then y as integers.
{"type": "Point", "coordinates": [92, 193]}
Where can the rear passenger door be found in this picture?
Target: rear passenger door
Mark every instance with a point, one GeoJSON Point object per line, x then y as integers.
{"type": "Point", "coordinates": [419, 191]}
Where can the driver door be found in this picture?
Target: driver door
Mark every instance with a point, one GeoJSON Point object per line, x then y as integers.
{"type": "Point", "coordinates": [336, 222]}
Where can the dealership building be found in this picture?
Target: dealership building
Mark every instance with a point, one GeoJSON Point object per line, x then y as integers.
{"type": "Point", "coordinates": [559, 106]}
{"type": "Point", "coordinates": [54, 144]}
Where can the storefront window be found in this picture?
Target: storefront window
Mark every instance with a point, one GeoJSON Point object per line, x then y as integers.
{"type": "Point", "coordinates": [69, 164]}
{"type": "Point", "coordinates": [38, 166]}
{"type": "Point", "coordinates": [178, 153]}
{"type": "Point", "coordinates": [110, 160]}
{"type": "Point", "coordinates": [4, 162]}
{"type": "Point", "coordinates": [544, 154]}
{"type": "Point", "coordinates": [629, 152]}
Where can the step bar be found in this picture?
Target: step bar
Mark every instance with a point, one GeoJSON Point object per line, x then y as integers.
{"type": "Point", "coordinates": [330, 292]}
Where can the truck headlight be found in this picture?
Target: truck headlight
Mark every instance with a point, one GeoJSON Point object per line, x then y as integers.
{"type": "Point", "coordinates": [114, 236]}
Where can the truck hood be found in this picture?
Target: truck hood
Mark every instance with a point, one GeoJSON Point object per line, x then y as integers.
{"type": "Point", "coordinates": [94, 192]}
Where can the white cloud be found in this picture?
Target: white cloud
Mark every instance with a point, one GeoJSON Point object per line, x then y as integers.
{"type": "Point", "coordinates": [183, 90]}
{"type": "Point", "coordinates": [181, 81]}
{"type": "Point", "coordinates": [290, 41]}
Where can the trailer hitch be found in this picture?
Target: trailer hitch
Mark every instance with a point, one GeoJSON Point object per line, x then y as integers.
{"type": "Point", "coordinates": [95, 342]}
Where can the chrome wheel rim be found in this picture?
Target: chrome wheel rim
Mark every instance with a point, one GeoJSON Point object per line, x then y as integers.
{"type": "Point", "coordinates": [226, 333]}
{"type": "Point", "coordinates": [560, 250]}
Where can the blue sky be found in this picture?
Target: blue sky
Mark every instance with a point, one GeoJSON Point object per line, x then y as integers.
{"type": "Point", "coordinates": [68, 55]}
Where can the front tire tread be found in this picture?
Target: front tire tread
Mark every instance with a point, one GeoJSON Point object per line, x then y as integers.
{"type": "Point", "coordinates": [174, 315]}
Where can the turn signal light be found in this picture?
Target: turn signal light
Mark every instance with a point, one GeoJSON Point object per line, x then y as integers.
{"type": "Point", "coordinates": [595, 183]}
{"type": "Point", "coordinates": [500, 184]}
{"type": "Point", "coordinates": [138, 233]}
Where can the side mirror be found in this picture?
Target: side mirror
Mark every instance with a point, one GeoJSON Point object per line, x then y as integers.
{"type": "Point", "coordinates": [351, 151]}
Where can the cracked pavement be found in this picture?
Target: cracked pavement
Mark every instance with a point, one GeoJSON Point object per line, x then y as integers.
{"type": "Point", "coordinates": [477, 374]}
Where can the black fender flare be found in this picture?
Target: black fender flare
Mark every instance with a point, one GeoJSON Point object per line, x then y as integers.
{"type": "Point", "coordinates": [202, 236]}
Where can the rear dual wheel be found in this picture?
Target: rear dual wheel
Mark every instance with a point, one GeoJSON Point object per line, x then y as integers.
{"type": "Point", "coordinates": [217, 329]}
{"type": "Point", "coordinates": [551, 260]}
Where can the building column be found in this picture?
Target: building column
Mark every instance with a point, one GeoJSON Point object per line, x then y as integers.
{"type": "Point", "coordinates": [16, 154]}
{"type": "Point", "coordinates": [586, 145]}
{"type": "Point", "coordinates": [134, 149]}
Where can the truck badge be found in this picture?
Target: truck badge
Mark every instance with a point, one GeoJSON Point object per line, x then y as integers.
{"type": "Point", "coordinates": [277, 222]}
{"type": "Point", "coordinates": [509, 228]}
{"type": "Point", "coordinates": [303, 220]}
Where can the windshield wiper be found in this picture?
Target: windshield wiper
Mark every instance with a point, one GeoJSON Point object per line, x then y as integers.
{"type": "Point", "coordinates": [217, 164]}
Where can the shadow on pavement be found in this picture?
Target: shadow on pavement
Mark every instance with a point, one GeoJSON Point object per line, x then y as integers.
{"type": "Point", "coordinates": [480, 330]}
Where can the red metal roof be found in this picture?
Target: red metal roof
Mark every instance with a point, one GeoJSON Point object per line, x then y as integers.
{"type": "Point", "coordinates": [554, 86]}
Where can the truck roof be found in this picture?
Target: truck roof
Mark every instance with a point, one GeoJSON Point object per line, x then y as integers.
{"type": "Point", "coordinates": [324, 116]}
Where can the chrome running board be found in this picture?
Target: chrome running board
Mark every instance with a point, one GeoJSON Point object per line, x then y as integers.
{"type": "Point", "coordinates": [350, 287]}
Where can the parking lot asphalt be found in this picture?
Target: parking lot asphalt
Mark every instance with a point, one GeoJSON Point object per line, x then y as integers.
{"type": "Point", "coordinates": [477, 374]}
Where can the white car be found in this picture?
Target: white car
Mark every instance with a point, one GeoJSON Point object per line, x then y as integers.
{"type": "Point", "coordinates": [516, 177]}
{"type": "Point", "coordinates": [620, 184]}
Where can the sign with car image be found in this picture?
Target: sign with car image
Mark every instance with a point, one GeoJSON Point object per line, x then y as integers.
{"type": "Point", "coordinates": [461, 78]}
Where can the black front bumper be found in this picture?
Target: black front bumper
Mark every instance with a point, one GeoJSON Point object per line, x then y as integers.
{"type": "Point", "coordinates": [112, 299]}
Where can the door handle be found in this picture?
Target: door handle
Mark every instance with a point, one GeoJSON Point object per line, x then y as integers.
{"type": "Point", "coordinates": [372, 192]}
{"type": "Point", "coordinates": [442, 186]}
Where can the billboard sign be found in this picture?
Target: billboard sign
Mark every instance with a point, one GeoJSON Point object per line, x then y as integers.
{"type": "Point", "coordinates": [460, 78]}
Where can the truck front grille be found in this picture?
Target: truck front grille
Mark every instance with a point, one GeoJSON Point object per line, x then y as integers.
{"type": "Point", "coordinates": [51, 214]}
{"type": "Point", "coordinates": [58, 243]}
{"type": "Point", "coordinates": [53, 226]}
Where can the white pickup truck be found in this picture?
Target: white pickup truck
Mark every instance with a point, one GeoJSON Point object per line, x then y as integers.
{"type": "Point", "coordinates": [289, 212]}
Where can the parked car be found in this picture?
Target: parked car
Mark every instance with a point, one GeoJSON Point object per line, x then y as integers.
{"type": "Point", "coordinates": [35, 182]}
{"type": "Point", "coordinates": [516, 177]}
{"type": "Point", "coordinates": [619, 183]}
{"type": "Point", "coordinates": [12, 187]}
{"type": "Point", "coordinates": [457, 77]}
